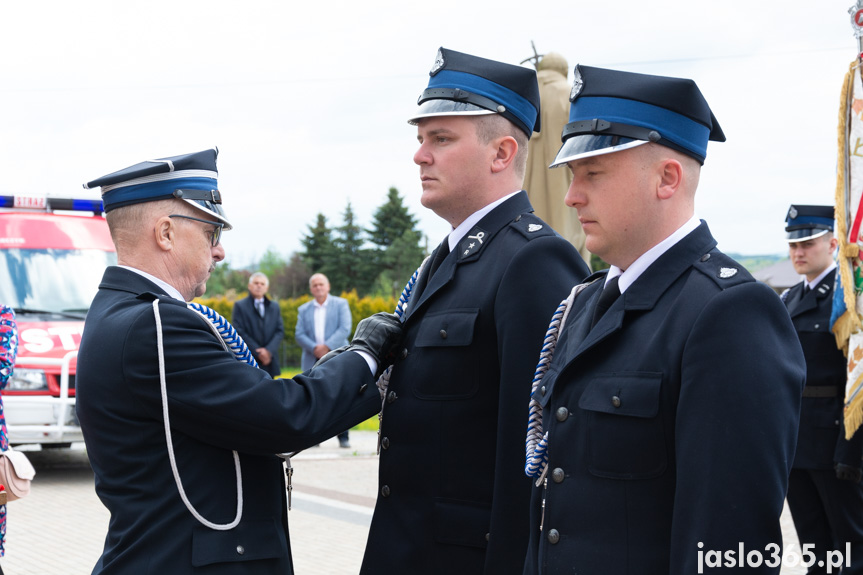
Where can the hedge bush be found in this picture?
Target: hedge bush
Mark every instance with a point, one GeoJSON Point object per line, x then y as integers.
{"type": "Point", "coordinates": [290, 353]}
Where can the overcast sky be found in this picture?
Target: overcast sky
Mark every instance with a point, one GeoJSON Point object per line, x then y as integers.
{"type": "Point", "coordinates": [307, 100]}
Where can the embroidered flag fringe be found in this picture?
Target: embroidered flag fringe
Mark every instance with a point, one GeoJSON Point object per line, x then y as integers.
{"type": "Point", "coordinates": [845, 322]}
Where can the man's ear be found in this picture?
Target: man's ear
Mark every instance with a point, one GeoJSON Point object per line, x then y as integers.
{"type": "Point", "coordinates": [507, 148]}
{"type": "Point", "coordinates": [670, 178]}
{"type": "Point", "coordinates": [164, 232]}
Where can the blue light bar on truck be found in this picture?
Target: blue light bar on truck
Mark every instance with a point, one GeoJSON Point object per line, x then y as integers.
{"type": "Point", "coordinates": [50, 204]}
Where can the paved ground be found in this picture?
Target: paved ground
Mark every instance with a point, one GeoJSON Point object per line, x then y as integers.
{"type": "Point", "coordinates": [59, 528]}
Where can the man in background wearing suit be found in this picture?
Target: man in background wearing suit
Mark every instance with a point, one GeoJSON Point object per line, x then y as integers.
{"type": "Point", "coordinates": [323, 324]}
{"type": "Point", "coordinates": [824, 492]}
{"type": "Point", "coordinates": [258, 320]}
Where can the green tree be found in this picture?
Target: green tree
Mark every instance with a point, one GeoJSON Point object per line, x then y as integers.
{"type": "Point", "coordinates": [398, 250]}
{"type": "Point", "coordinates": [292, 280]}
{"type": "Point", "coordinates": [353, 268]}
{"type": "Point", "coordinates": [391, 221]}
{"type": "Point", "coordinates": [271, 264]}
{"type": "Point", "coordinates": [225, 280]}
{"type": "Point", "coordinates": [319, 251]}
{"type": "Point", "coordinates": [398, 263]}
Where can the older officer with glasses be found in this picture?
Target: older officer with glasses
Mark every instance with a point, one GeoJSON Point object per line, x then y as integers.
{"type": "Point", "coordinates": [181, 428]}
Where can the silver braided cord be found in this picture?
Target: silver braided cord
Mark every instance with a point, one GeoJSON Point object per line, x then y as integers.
{"type": "Point", "coordinates": [536, 443]}
{"type": "Point", "coordinates": [227, 332]}
{"type": "Point", "coordinates": [168, 436]}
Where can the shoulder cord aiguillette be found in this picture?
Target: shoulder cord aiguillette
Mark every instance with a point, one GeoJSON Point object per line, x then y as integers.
{"type": "Point", "coordinates": [536, 444]}
{"type": "Point", "coordinates": [233, 343]}
{"type": "Point", "coordinates": [401, 307]}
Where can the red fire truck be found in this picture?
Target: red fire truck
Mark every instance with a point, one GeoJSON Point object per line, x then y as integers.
{"type": "Point", "coordinates": [53, 252]}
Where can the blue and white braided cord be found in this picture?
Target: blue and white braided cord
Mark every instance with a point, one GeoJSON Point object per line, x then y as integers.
{"type": "Point", "coordinates": [401, 307]}
{"type": "Point", "coordinates": [536, 443]}
{"type": "Point", "coordinates": [232, 339]}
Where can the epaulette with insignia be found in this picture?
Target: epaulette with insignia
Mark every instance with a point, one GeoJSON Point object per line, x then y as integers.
{"type": "Point", "coordinates": [725, 271]}
{"type": "Point", "coordinates": [532, 227]}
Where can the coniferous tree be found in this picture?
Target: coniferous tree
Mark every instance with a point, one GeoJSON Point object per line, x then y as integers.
{"type": "Point", "coordinates": [319, 252]}
{"type": "Point", "coordinates": [353, 262]}
{"type": "Point", "coordinates": [397, 240]}
{"type": "Point", "coordinates": [391, 221]}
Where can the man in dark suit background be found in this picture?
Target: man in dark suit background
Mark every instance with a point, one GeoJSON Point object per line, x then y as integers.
{"type": "Point", "coordinates": [824, 492]}
{"type": "Point", "coordinates": [671, 403]}
{"type": "Point", "coordinates": [181, 431]}
{"type": "Point", "coordinates": [258, 320]}
{"type": "Point", "coordinates": [452, 497]}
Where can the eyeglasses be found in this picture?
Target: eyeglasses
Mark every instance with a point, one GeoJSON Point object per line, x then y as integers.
{"type": "Point", "coordinates": [216, 234]}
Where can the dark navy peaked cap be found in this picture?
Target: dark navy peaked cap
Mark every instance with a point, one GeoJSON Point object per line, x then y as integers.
{"type": "Point", "coordinates": [461, 84]}
{"type": "Point", "coordinates": [189, 177]}
{"type": "Point", "coordinates": [808, 222]}
{"type": "Point", "coordinates": [613, 110]}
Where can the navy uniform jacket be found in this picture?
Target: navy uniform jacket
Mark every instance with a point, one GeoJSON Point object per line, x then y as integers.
{"type": "Point", "coordinates": [671, 423]}
{"type": "Point", "coordinates": [257, 331]}
{"type": "Point", "coordinates": [453, 497]}
{"type": "Point", "coordinates": [216, 404]}
{"type": "Point", "coordinates": [821, 441]}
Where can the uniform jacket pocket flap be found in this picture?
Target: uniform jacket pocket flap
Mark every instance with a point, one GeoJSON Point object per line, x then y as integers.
{"type": "Point", "coordinates": [635, 394]}
{"type": "Point", "coordinates": [249, 541]}
{"type": "Point", "coordinates": [461, 523]}
{"type": "Point", "coordinates": [448, 328]}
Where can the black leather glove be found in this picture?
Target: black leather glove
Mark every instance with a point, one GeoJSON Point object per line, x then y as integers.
{"type": "Point", "coordinates": [380, 336]}
{"type": "Point", "coordinates": [848, 472]}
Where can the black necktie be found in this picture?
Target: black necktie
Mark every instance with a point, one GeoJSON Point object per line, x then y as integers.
{"type": "Point", "coordinates": [609, 293]}
{"type": "Point", "coordinates": [805, 290]}
{"type": "Point", "coordinates": [439, 256]}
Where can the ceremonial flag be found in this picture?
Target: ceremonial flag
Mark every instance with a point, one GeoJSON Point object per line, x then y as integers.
{"type": "Point", "coordinates": [848, 302]}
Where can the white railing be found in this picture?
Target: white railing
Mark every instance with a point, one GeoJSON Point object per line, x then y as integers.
{"type": "Point", "coordinates": [56, 431]}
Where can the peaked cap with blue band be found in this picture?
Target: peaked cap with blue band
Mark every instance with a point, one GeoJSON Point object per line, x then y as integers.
{"type": "Point", "coordinates": [189, 177]}
{"type": "Point", "coordinates": [613, 110]}
{"type": "Point", "coordinates": [808, 222]}
{"type": "Point", "coordinates": [461, 84]}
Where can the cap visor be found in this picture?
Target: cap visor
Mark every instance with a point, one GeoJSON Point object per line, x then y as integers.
{"type": "Point", "coordinates": [214, 210]}
{"type": "Point", "coordinates": [795, 236]}
{"type": "Point", "coordinates": [431, 108]}
{"type": "Point", "coordinates": [588, 145]}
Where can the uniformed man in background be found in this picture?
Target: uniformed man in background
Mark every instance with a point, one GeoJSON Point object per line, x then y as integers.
{"type": "Point", "coordinates": [671, 403]}
{"type": "Point", "coordinates": [824, 492]}
{"type": "Point", "coordinates": [451, 495]}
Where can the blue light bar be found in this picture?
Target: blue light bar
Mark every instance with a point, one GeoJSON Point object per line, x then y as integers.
{"type": "Point", "coordinates": [50, 204]}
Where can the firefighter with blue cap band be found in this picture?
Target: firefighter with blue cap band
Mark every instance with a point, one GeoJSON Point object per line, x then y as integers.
{"type": "Point", "coordinates": [825, 495]}
{"type": "Point", "coordinates": [664, 410]}
{"type": "Point", "coordinates": [450, 496]}
{"type": "Point", "coordinates": [182, 428]}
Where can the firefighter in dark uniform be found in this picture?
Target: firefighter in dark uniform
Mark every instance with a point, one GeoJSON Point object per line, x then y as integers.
{"type": "Point", "coordinates": [181, 427]}
{"type": "Point", "coordinates": [451, 498]}
{"type": "Point", "coordinates": [672, 397]}
{"type": "Point", "coordinates": [824, 491]}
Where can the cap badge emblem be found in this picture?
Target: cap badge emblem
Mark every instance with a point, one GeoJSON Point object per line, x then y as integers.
{"type": "Point", "coordinates": [577, 84]}
{"type": "Point", "coordinates": [726, 273]}
{"type": "Point", "coordinates": [534, 227]}
{"type": "Point", "coordinates": [438, 65]}
{"type": "Point", "coordinates": [792, 213]}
